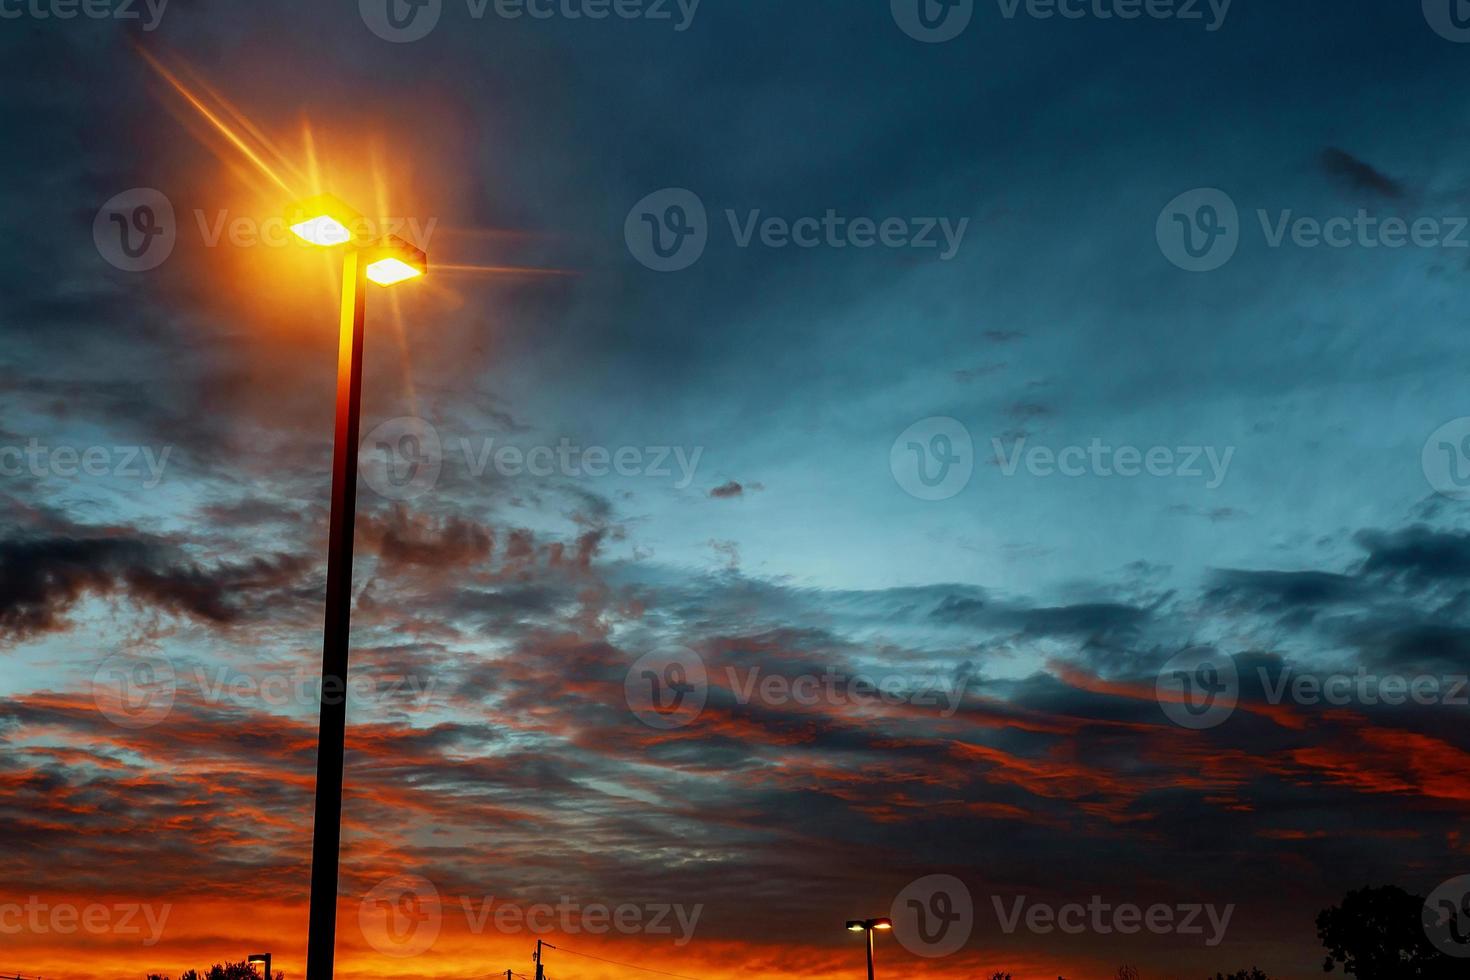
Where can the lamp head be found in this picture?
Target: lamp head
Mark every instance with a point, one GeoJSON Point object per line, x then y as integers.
{"type": "Point", "coordinates": [882, 923]}
{"type": "Point", "coordinates": [392, 260]}
{"type": "Point", "coordinates": [855, 925]}
{"type": "Point", "coordinates": [323, 220]}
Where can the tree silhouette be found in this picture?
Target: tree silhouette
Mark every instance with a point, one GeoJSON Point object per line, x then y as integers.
{"type": "Point", "coordinates": [220, 971]}
{"type": "Point", "coordinates": [1378, 934]}
{"type": "Point", "coordinates": [1251, 974]}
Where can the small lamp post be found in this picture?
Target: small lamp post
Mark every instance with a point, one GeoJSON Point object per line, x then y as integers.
{"type": "Point", "coordinates": [869, 926]}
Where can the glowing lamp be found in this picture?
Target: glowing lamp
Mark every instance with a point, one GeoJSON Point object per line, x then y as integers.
{"type": "Point", "coordinates": [393, 260]}
{"type": "Point", "coordinates": [323, 220]}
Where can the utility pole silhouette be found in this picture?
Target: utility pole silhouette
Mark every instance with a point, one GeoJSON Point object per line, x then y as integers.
{"type": "Point", "coordinates": [541, 973]}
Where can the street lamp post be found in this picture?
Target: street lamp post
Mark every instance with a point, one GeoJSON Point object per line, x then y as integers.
{"type": "Point", "coordinates": [264, 959]}
{"type": "Point", "coordinates": [327, 222]}
{"type": "Point", "coordinates": [869, 926]}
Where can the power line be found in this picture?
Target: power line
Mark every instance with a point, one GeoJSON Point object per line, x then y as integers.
{"type": "Point", "coordinates": [631, 966]}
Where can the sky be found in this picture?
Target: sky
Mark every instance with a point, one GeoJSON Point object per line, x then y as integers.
{"type": "Point", "coordinates": [996, 465]}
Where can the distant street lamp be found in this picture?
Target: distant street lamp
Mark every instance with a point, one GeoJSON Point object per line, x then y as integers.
{"type": "Point", "coordinates": [264, 959]}
{"type": "Point", "coordinates": [869, 926]}
{"type": "Point", "coordinates": [327, 222]}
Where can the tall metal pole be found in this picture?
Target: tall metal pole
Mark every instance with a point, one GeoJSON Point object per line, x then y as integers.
{"type": "Point", "coordinates": [870, 952]}
{"type": "Point", "coordinates": [327, 830]}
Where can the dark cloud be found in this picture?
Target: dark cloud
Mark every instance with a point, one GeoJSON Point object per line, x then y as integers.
{"type": "Point", "coordinates": [1358, 175]}
{"type": "Point", "coordinates": [41, 577]}
{"type": "Point", "coordinates": [1417, 554]}
{"type": "Point", "coordinates": [1282, 591]}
